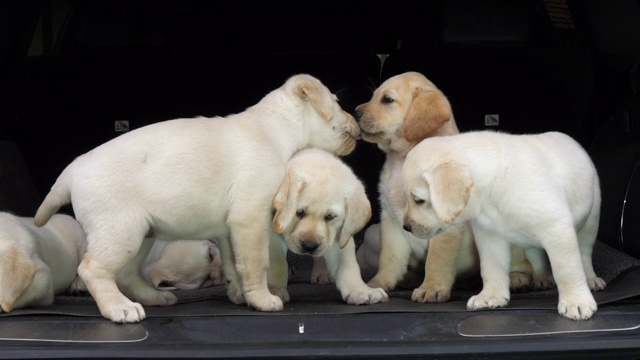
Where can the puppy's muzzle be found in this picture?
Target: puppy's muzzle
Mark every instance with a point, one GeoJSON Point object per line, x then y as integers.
{"type": "Point", "coordinates": [353, 130]}
{"type": "Point", "coordinates": [407, 227]}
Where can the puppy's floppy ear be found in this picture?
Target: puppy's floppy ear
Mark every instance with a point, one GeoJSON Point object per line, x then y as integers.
{"type": "Point", "coordinates": [286, 201]}
{"type": "Point", "coordinates": [429, 110]}
{"type": "Point", "coordinates": [357, 213]}
{"type": "Point", "coordinates": [450, 187]}
{"type": "Point", "coordinates": [214, 251]}
{"type": "Point", "coordinates": [16, 273]}
{"type": "Point", "coordinates": [311, 89]}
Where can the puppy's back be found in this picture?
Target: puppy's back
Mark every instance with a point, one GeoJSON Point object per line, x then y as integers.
{"type": "Point", "coordinates": [542, 168]}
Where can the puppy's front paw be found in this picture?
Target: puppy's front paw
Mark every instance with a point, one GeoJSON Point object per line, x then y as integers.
{"type": "Point", "coordinates": [596, 284]}
{"type": "Point", "coordinates": [365, 296]}
{"type": "Point", "coordinates": [264, 302]}
{"type": "Point", "coordinates": [320, 272]}
{"type": "Point", "coordinates": [519, 281]}
{"type": "Point", "coordinates": [543, 282]}
{"type": "Point", "coordinates": [487, 301]}
{"type": "Point", "coordinates": [321, 278]}
{"type": "Point", "coordinates": [578, 308]}
{"type": "Point", "coordinates": [431, 294]}
{"type": "Point", "coordinates": [77, 286]}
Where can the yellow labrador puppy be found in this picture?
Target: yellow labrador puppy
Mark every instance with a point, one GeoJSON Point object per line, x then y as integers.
{"type": "Point", "coordinates": [403, 110]}
{"type": "Point", "coordinates": [320, 205]}
{"type": "Point", "coordinates": [165, 267]}
{"type": "Point", "coordinates": [183, 264]}
{"type": "Point", "coordinates": [538, 191]}
{"type": "Point", "coordinates": [196, 178]}
{"type": "Point", "coordinates": [37, 263]}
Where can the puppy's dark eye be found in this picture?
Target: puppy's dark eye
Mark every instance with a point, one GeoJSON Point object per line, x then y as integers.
{"type": "Point", "coordinates": [300, 213]}
{"type": "Point", "coordinates": [418, 201]}
{"type": "Point", "coordinates": [329, 217]}
{"type": "Point", "coordinates": [386, 100]}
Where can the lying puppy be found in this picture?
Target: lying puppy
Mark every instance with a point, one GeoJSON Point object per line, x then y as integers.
{"type": "Point", "coordinates": [165, 267]}
{"type": "Point", "coordinates": [538, 191]}
{"type": "Point", "coordinates": [183, 264]}
{"type": "Point", "coordinates": [194, 178]}
{"type": "Point", "coordinates": [405, 109]}
{"type": "Point", "coordinates": [320, 205]}
{"type": "Point", "coordinates": [37, 263]}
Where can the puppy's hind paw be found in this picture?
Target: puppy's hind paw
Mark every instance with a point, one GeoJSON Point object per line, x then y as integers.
{"type": "Point", "coordinates": [321, 278]}
{"type": "Point", "coordinates": [235, 293]}
{"type": "Point", "coordinates": [77, 287]}
{"type": "Point", "coordinates": [543, 283]}
{"type": "Point", "coordinates": [379, 283]}
{"type": "Point", "coordinates": [596, 284]}
{"type": "Point", "coordinates": [519, 281]}
{"type": "Point", "coordinates": [162, 298]}
{"type": "Point", "coordinates": [280, 292]}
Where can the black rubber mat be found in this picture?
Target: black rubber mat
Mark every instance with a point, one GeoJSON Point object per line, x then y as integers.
{"type": "Point", "coordinates": [621, 272]}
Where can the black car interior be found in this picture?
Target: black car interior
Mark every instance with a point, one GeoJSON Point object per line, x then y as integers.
{"type": "Point", "coordinates": [81, 72]}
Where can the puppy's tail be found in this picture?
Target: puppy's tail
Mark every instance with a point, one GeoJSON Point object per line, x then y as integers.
{"type": "Point", "coordinates": [55, 199]}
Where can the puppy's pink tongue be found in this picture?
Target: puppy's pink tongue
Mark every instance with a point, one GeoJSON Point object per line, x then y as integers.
{"type": "Point", "coordinates": [358, 137]}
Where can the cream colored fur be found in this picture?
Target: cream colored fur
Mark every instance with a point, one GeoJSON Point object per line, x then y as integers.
{"type": "Point", "coordinates": [196, 178]}
{"type": "Point", "coordinates": [535, 191]}
{"type": "Point", "coordinates": [403, 110]}
{"type": "Point", "coordinates": [37, 263]}
{"type": "Point", "coordinates": [320, 205]}
{"type": "Point", "coordinates": [183, 264]}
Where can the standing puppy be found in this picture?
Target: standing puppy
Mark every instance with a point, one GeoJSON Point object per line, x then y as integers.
{"type": "Point", "coordinates": [194, 178]}
{"type": "Point", "coordinates": [320, 205]}
{"type": "Point", "coordinates": [539, 191]}
{"type": "Point", "coordinates": [37, 263]}
{"type": "Point", "coordinates": [405, 109]}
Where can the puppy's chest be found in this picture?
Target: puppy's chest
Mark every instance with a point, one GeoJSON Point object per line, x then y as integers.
{"type": "Point", "coordinates": [391, 187]}
{"type": "Point", "coordinates": [419, 247]}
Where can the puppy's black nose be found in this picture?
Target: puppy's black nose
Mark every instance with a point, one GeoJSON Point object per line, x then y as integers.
{"type": "Point", "coordinates": [357, 114]}
{"type": "Point", "coordinates": [309, 246]}
{"type": "Point", "coordinates": [407, 227]}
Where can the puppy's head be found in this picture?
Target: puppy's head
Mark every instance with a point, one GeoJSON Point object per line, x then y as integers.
{"type": "Point", "coordinates": [328, 126]}
{"type": "Point", "coordinates": [185, 265]}
{"type": "Point", "coordinates": [17, 270]}
{"type": "Point", "coordinates": [319, 203]}
{"type": "Point", "coordinates": [403, 110]}
{"type": "Point", "coordinates": [437, 190]}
